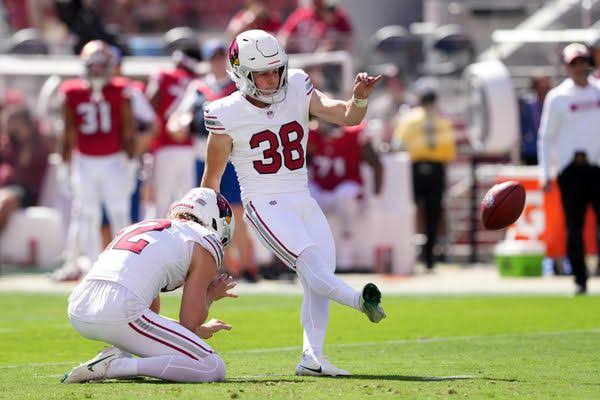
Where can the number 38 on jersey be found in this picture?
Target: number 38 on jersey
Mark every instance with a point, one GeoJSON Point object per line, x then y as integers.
{"type": "Point", "coordinates": [281, 148]}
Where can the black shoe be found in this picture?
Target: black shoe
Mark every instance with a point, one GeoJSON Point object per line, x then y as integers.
{"type": "Point", "coordinates": [269, 273]}
{"type": "Point", "coordinates": [581, 289]}
{"type": "Point", "coordinates": [250, 276]}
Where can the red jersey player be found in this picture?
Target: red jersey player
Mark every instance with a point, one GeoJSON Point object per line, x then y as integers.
{"type": "Point", "coordinates": [97, 146]}
{"type": "Point", "coordinates": [335, 155]}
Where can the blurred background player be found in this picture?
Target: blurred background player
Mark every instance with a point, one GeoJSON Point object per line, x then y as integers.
{"type": "Point", "coordinates": [119, 300]}
{"type": "Point", "coordinates": [530, 116]}
{"type": "Point", "coordinates": [173, 173]}
{"type": "Point", "coordinates": [387, 106]}
{"type": "Point", "coordinates": [569, 138]}
{"type": "Point", "coordinates": [99, 126]}
{"type": "Point", "coordinates": [143, 112]}
{"type": "Point", "coordinates": [335, 155]}
{"type": "Point", "coordinates": [427, 135]}
{"type": "Point", "coordinates": [263, 127]}
{"type": "Point", "coordinates": [144, 128]}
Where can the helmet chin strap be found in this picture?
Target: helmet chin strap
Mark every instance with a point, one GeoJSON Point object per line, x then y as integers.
{"type": "Point", "coordinates": [269, 98]}
{"type": "Point", "coordinates": [264, 94]}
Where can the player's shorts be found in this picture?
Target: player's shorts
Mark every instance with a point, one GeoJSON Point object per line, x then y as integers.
{"type": "Point", "coordinates": [108, 312]}
{"type": "Point", "coordinates": [230, 187]}
{"type": "Point", "coordinates": [289, 223]}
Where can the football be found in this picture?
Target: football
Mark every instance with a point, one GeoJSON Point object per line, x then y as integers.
{"type": "Point", "coordinates": [502, 205]}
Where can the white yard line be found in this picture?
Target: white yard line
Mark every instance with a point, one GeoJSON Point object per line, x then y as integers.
{"type": "Point", "coordinates": [447, 280]}
{"type": "Point", "coordinates": [360, 344]}
{"type": "Point", "coordinates": [34, 365]}
{"type": "Point", "coordinates": [242, 378]}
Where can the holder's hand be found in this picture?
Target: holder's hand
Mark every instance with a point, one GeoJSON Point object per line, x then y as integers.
{"type": "Point", "coordinates": [220, 287]}
{"type": "Point", "coordinates": [211, 327]}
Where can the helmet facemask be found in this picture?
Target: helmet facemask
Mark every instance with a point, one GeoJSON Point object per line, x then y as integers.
{"type": "Point", "coordinates": [245, 82]}
{"type": "Point", "coordinates": [270, 96]}
{"type": "Point", "coordinates": [97, 76]}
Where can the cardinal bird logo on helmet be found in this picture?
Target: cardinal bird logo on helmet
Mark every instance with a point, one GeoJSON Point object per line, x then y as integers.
{"type": "Point", "coordinates": [234, 53]}
{"type": "Point", "coordinates": [224, 209]}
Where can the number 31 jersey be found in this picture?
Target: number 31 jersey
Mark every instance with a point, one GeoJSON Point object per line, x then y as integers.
{"type": "Point", "coordinates": [98, 123]}
{"type": "Point", "coordinates": [269, 144]}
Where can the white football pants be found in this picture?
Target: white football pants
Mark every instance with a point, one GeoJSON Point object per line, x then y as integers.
{"type": "Point", "coordinates": [98, 180]}
{"type": "Point", "coordinates": [294, 228]}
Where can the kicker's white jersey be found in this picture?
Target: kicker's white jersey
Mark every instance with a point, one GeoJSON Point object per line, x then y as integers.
{"type": "Point", "coordinates": [154, 256]}
{"type": "Point", "coordinates": [269, 144]}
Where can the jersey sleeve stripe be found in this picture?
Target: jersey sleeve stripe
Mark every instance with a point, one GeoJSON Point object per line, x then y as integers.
{"type": "Point", "coordinates": [217, 244]}
{"type": "Point", "coordinates": [310, 91]}
{"type": "Point", "coordinates": [212, 122]}
{"type": "Point", "coordinates": [209, 116]}
{"type": "Point", "coordinates": [212, 128]}
{"type": "Point", "coordinates": [216, 252]}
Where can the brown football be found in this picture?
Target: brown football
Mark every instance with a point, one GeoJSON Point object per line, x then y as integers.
{"type": "Point", "coordinates": [502, 205]}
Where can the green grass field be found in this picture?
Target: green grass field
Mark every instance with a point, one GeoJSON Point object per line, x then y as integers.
{"type": "Point", "coordinates": [428, 347]}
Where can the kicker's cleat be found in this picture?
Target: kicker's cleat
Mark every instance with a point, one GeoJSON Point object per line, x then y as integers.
{"type": "Point", "coordinates": [95, 369]}
{"type": "Point", "coordinates": [311, 365]}
{"type": "Point", "coordinates": [370, 300]}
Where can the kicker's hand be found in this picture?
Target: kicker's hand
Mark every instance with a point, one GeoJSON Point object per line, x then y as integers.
{"type": "Point", "coordinates": [364, 84]}
{"type": "Point", "coordinates": [220, 287]}
{"type": "Point", "coordinates": [211, 327]}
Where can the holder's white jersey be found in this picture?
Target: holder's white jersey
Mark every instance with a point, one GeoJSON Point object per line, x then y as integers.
{"type": "Point", "coordinates": [154, 256]}
{"type": "Point", "coordinates": [269, 144]}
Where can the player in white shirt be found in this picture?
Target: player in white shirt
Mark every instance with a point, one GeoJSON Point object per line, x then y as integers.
{"type": "Point", "coordinates": [569, 136]}
{"type": "Point", "coordinates": [263, 128]}
{"type": "Point", "coordinates": [119, 303]}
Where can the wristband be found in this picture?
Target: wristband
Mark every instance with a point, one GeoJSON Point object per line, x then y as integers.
{"type": "Point", "coordinates": [360, 103]}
